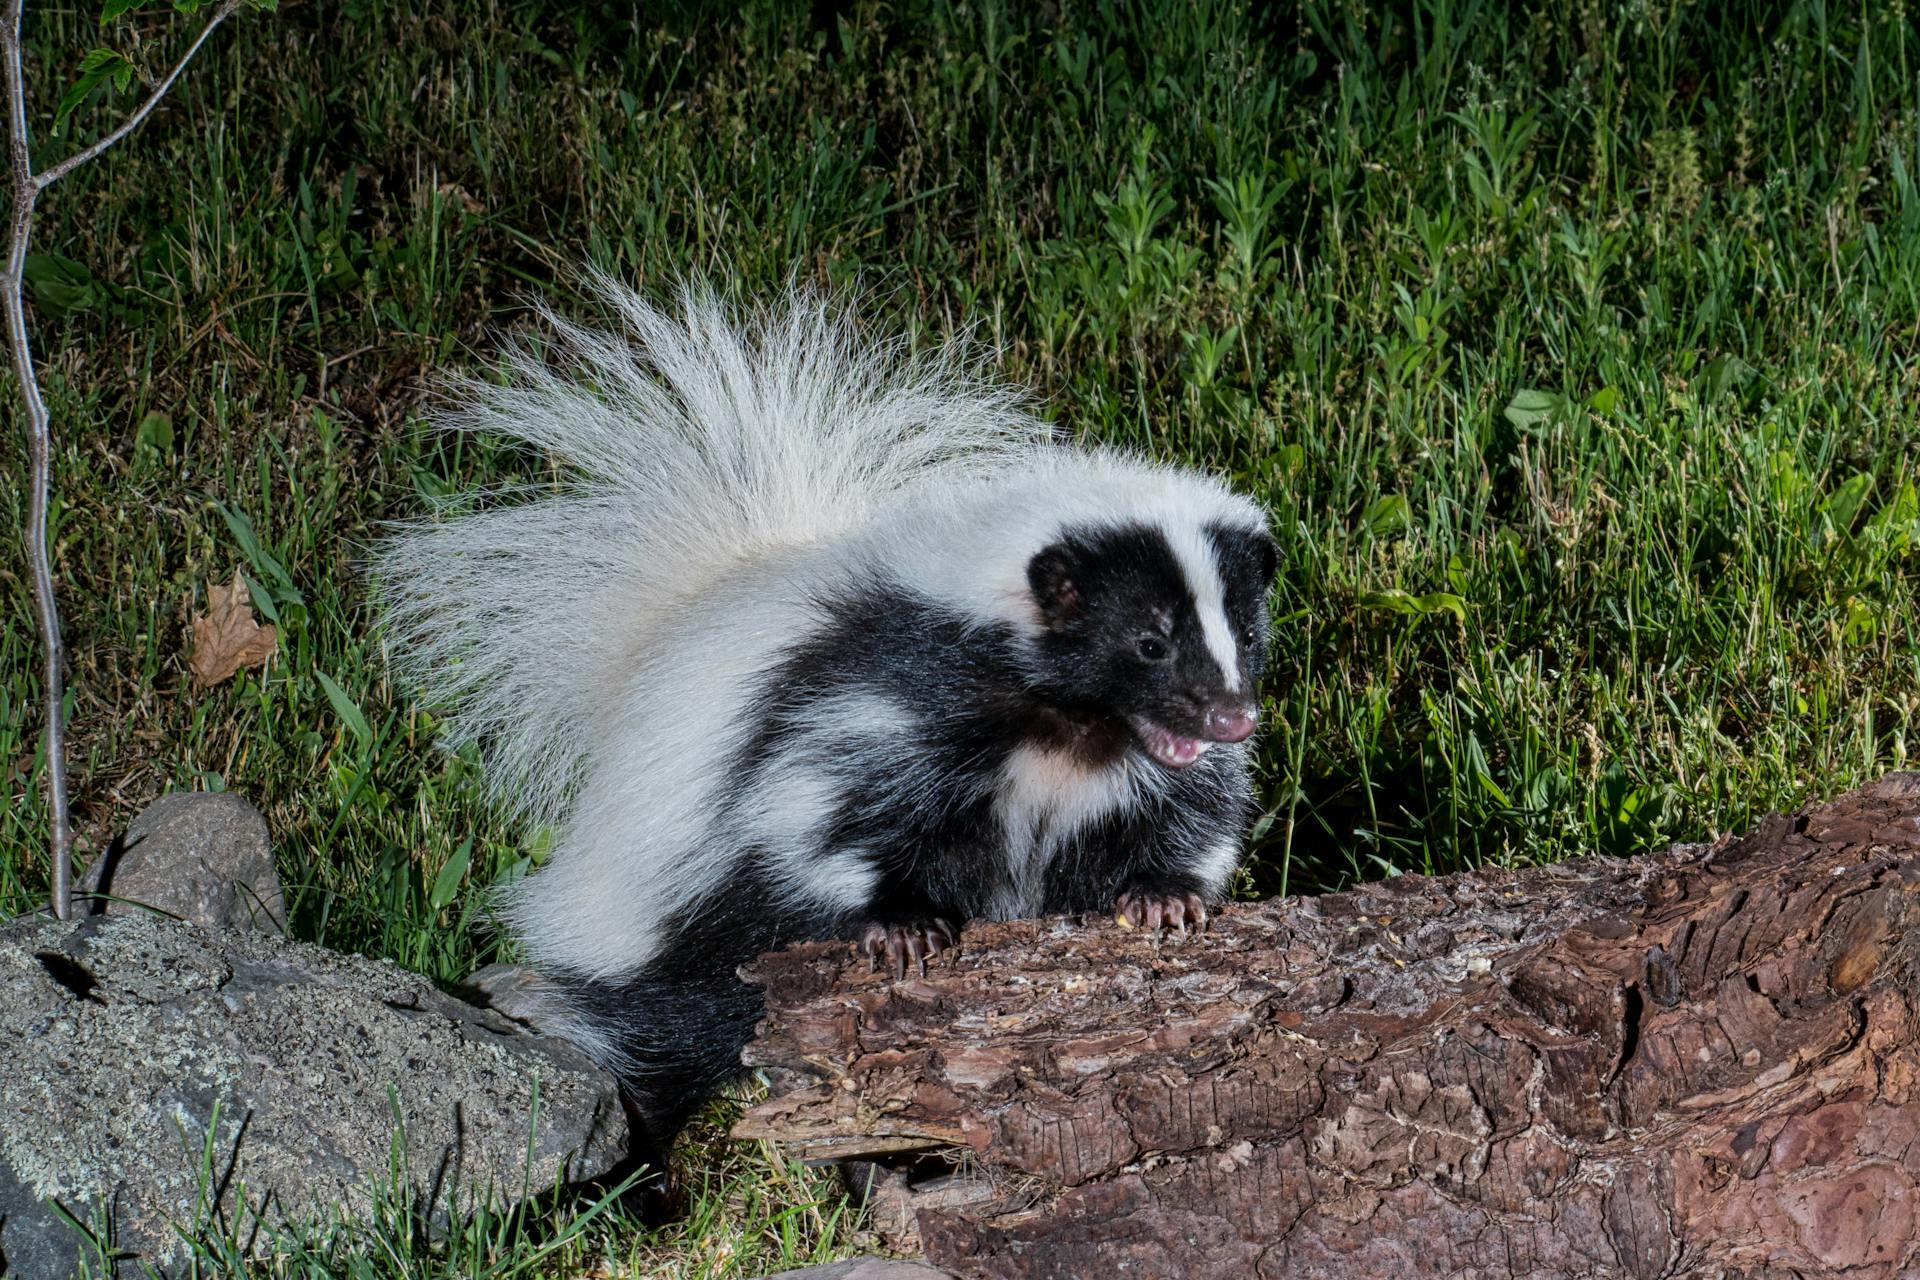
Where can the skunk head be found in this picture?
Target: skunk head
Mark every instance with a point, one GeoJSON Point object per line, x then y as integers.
{"type": "Point", "coordinates": [1158, 624]}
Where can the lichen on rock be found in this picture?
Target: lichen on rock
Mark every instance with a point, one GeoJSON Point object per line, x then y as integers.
{"type": "Point", "coordinates": [133, 1048]}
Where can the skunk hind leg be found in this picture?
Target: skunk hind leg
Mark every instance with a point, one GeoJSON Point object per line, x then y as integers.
{"type": "Point", "coordinates": [672, 1031]}
{"type": "Point", "coordinates": [672, 1042]}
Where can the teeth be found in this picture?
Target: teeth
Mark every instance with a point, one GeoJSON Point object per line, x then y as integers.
{"type": "Point", "coordinates": [1171, 749]}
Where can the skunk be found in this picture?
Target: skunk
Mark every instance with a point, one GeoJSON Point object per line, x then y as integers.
{"type": "Point", "coordinates": [816, 638]}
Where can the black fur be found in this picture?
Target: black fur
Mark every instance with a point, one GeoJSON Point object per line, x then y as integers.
{"type": "Point", "coordinates": [1121, 641]}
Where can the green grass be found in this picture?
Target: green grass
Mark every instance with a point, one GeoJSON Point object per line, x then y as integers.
{"type": "Point", "coordinates": [750, 1212]}
{"type": "Point", "coordinates": [1571, 345]}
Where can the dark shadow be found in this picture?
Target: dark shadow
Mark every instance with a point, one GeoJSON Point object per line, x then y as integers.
{"type": "Point", "coordinates": [71, 974]}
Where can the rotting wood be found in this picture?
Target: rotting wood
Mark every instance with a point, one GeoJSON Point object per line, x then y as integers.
{"type": "Point", "coordinates": [1699, 1062]}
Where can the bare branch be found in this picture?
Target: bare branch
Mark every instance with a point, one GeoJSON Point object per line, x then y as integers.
{"type": "Point", "coordinates": [132, 122]}
{"type": "Point", "coordinates": [26, 187]}
{"type": "Point", "coordinates": [16, 95]}
{"type": "Point", "coordinates": [46, 610]}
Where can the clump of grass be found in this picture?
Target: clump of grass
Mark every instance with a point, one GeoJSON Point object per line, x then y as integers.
{"type": "Point", "coordinates": [748, 1213]}
{"type": "Point", "coordinates": [1571, 345]}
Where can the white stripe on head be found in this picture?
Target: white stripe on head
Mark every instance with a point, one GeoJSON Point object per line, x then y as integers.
{"type": "Point", "coordinates": [1194, 550]}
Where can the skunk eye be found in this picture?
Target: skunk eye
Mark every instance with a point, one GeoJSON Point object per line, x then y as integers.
{"type": "Point", "coordinates": [1152, 648]}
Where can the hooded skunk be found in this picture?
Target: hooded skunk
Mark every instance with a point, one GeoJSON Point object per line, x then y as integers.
{"type": "Point", "coordinates": [818, 639]}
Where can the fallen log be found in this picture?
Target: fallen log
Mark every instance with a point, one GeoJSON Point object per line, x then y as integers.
{"type": "Point", "coordinates": [1701, 1062]}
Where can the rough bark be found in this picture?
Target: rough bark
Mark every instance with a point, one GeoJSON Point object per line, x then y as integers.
{"type": "Point", "coordinates": [1700, 1062]}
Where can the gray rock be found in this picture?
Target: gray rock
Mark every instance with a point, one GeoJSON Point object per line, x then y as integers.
{"type": "Point", "coordinates": [864, 1269]}
{"type": "Point", "coordinates": [120, 1036]}
{"type": "Point", "coordinates": [203, 856]}
{"type": "Point", "coordinates": [508, 990]}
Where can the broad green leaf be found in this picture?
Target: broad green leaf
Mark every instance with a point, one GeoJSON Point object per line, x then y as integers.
{"type": "Point", "coordinates": [1897, 524]}
{"type": "Point", "coordinates": [1785, 477]}
{"type": "Point", "coordinates": [114, 8]}
{"type": "Point", "coordinates": [345, 707]}
{"type": "Point", "coordinates": [1444, 602]}
{"type": "Point", "coordinates": [257, 555]}
{"type": "Point", "coordinates": [152, 440]}
{"type": "Point", "coordinates": [98, 66]}
{"type": "Point", "coordinates": [1529, 408]}
{"type": "Point", "coordinates": [515, 870]}
{"type": "Point", "coordinates": [447, 883]}
{"type": "Point", "coordinates": [155, 432]}
{"type": "Point", "coordinates": [1844, 503]}
{"type": "Point", "coordinates": [1904, 508]}
{"type": "Point", "coordinates": [1722, 374]}
{"type": "Point", "coordinates": [60, 285]}
{"type": "Point", "coordinates": [540, 845]}
{"type": "Point", "coordinates": [1387, 515]}
{"type": "Point", "coordinates": [1394, 600]}
{"type": "Point", "coordinates": [263, 601]}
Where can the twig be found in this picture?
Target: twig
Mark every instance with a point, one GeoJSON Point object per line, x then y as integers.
{"type": "Point", "coordinates": [132, 122]}
{"type": "Point", "coordinates": [46, 612]}
{"type": "Point", "coordinates": [27, 187]}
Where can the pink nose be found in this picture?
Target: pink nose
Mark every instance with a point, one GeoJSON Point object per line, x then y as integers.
{"type": "Point", "coordinates": [1227, 723]}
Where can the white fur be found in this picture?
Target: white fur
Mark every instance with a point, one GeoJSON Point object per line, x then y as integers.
{"type": "Point", "coordinates": [802, 787]}
{"type": "Point", "coordinates": [1046, 797]}
{"type": "Point", "coordinates": [602, 642]}
{"type": "Point", "coordinates": [969, 544]}
{"type": "Point", "coordinates": [1194, 550]}
{"type": "Point", "coordinates": [1218, 864]}
{"type": "Point", "coordinates": [693, 443]}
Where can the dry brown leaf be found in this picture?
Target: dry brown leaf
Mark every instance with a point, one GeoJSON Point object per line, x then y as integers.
{"type": "Point", "coordinates": [227, 637]}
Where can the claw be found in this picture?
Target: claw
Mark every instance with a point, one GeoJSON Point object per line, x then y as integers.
{"type": "Point", "coordinates": [1158, 912]}
{"type": "Point", "coordinates": [901, 943]}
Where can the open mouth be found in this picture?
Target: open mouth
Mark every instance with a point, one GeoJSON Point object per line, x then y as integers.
{"type": "Point", "coordinates": [1222, 722]}
{"type": "Point", "coordinates": [1174, 750]}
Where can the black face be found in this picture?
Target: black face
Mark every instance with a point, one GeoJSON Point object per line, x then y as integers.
{"type": "Point", "coordinates": [1125, 635]}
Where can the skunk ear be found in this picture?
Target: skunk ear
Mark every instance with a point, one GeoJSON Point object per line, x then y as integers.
{"type": "Point", "coordinates": [1249, 558]}
{"type": "Point", "coordinates": [1052, 575]}
{"type": "Point", "coordinates": [1269, 552]}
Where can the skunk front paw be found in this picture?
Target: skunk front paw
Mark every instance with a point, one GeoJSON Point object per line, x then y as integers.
{"type": "Point", "coordinates": [1154, 911]}
{"type": "Point", "coordinates": [899, 942]}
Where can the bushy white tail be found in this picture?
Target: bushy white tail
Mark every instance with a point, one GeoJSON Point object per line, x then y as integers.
{"type": "Point", "coordinates": [689, 440]}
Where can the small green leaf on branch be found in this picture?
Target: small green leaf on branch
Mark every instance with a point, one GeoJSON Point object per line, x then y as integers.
{"type": "Point", "coordinates": [99, 66]}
